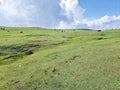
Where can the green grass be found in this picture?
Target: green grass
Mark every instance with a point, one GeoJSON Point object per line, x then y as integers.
{"type": "Point", "coordinates": [43, 59]}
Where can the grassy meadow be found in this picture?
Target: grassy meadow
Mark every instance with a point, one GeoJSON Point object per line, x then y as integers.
{"type": "Point", "coordinates": [44, 59]}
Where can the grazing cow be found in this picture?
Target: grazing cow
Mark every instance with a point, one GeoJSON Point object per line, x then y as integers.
{"type": "Point", "coordinates": [99, 30]}
{"type": "Point", "coordinates": [21, 32]}
{"type": "Point", "coordinates": [2, 28]}
{"type": "Point", "coordinates": [100, 38]}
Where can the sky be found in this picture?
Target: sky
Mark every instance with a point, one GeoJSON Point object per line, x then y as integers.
{"type": "Point", "coordinates": [90, 14]}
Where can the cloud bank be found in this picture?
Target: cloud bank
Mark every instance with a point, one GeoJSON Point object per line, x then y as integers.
{"type": "Point", "coordinates": [51, 14]}
{"type": "Point", "coordinates": [42, 13]}
{"type": "Point", "coordinates": [75, 14]}
{"type": "Point", "coordinates": [14, 12]}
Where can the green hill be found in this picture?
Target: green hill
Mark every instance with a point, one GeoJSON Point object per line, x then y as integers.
{"type": "Point", "coordinates": [43, 59]}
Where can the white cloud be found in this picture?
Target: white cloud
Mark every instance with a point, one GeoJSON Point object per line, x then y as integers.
{"type": "Point", "coordinates": [72, 9]}
{"type": "Point", "coordinates": [28, 13]}
{"type": "Point", "coordinates": [74, 12]}
{"type": "Point", "coordinates": [105, 22]}
{"type": "Point", "coordinates": [55, 13]}
{"type": "Point", "coordinates": [13, 14]}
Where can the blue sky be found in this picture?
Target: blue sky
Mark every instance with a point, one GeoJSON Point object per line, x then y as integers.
{"type": "Point", "coordinates": [99, 8]}
{"type": "Point", "coordinates": [93, 14]}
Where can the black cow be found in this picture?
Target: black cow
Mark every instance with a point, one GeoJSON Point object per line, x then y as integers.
{"type": "Point", "coordinates": [99, 30]}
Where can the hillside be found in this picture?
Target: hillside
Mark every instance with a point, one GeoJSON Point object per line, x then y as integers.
{"type": "Point", "coordinates": [43, 59]}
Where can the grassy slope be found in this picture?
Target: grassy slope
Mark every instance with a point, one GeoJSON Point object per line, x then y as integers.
{"type": "Point", "coordinates": [70, 60]}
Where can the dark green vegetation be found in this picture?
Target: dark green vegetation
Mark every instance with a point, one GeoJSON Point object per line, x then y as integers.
{"type": "Point", "coordinates": [41, 59]}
